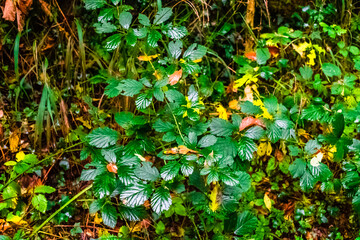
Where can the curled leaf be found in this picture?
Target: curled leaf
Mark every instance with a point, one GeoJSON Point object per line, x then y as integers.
{"type": "Point", "coordinates": [9, 11]}
{"type": "Point", "coordinates": [111, 167]}
{"type": "Point", "coordinates": [250, 121]}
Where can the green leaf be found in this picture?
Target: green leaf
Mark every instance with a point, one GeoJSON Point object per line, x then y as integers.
{"type": "Point", "coordinates": [249, 108]}
{"type": "Point", "coordinates": [104, 184]}
{"type": "Point", "coordinates": [177, 32]}
{"type": "Point", "coordinates": [131, 87]}
{"type": "Point", "coordinates": [221, 127]}
{"type": "Point", "coordinates": [256, 132]}
{"type": "Point", "coordinates": [144, 20]}
{"type": "Point", "coordinates": [307, 181]}
{"type": "Point", "coordinates": [104, 27]}
{"type": "Point", "coordinates": [96, 206]}
{"type": "Point", "coordinates": [136, 195]}
{"type": "Point", "coordinates": [175, 48]}
{"type": "Point", "coordinates": [331, 70]}
{"type": "Point", "coordinates": [44, 189]}
{"type": "Point", "coordinates": [195, 52]}
{"type": "Point", "coordinates": [106, 14]}
{"type": "Point", "coordinates": [103, 137]}
{"type": "Point", "coordinates": [90, 174]}
{"type": "Point", "coordinates": [125, 19]}
{"type": "Point", "coordinates": [187, 169]}
{"type": "Point", "coordinates": [147, 172]}
{"type": "Point", "coordinates": [161, 200]}
{"type": "Point", "coordinates": [161, 126]}
{"type": "Point", "coordinates": [39, 202]}
{"type": "Point", "coordinates": [132, 213]}
{"type": "Point", "coordinates": [312, 146]}
{"type": "Point", "coordinates": [153, 37]}
{"type": "Point", "coordinates": [207, 141]}
{"type": "Point", "coordinates": [160, 228]}
{"type": "Point", "coordinates": [306, 72]}
{"type": "Point", "coordinates": [246, 223]}
{"type": "Point", "coordinates": [262, 55]}
{"type": "Point", "coordinates": [109, 215]}
{"type": "Point", "coordinates": [115, 2]}
{"type": "Point", "coordinates": [143, 101]}
{"type": "Point", "coordinates": [338, 124]}
{"type": "Point", "coordinates": [163, 15]}
{"type": "Point", "coordinates": [112, 42]}
{"type": "Point", "coordinates": [94, 4]}
{"type": "Point", "coordinates": [246, 148]}
{"type": "Point", "coordinates": [131, 38]}
{"type": "Point", "coordinates": [297, 168]}
{"type": "Point", "coordinates": [170, 170]}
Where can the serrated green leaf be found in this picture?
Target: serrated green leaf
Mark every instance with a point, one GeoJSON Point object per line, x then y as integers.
{"type": "Point", "coordinates": [306, 72]}
{"type": "Point", "coordinates": [307, 181]}
{"type": "Point", "coordinates": [143, 101]}
{"type": "Point", "coordinates": [297, 168]}
{"type": "Point", "coordinates": [161, 126]}
{"type": "Point", "coordinates": [103, 137]}
{"type": "Point", "coordinates": [132, 213]}
{"type": "Point", "coordinates": [246, 223]}
{"type": "Point", "coordinates": [144, 20]}
{"type": "Point", "coordinates": [331, 70]}
{"type": "Point", "coordinates": [39, 202]}
{"type": "Point", "coordinates": [125, 19]}
{"type": "Point", "coordinates": [195, 52]}
{"type": "Point", "coordinates": [177, 32]}
{"type": "Point", "coordinates": [170, 170]}
{"type": "Point", "coordinates": [94, 4]}
{"type": "Point", "coordinates": [163, 15]}
{"type": "Point", "coordinates": [131, 87]}
{"type": "Point", "coordinates": [207, 141]}
{"type": "Point", "coordinates": [221, 127]}
{"type": "Point", "coordinates": [262, 55]}
{"type": "Point", "coordinates": [136, 195]}
{"type": "Point", "coordinates": [161, 200]}
{"type": "Point", "coordinates": [175, 48]}
{"type": "Point", "coordinates": [96, 206]}
{"type": "Point", "coordinates": [153, 37]}
{"type": "Point", "coordinates": [256, 132]}
{"type": "Point", "coordinates": [104, 27]}
{"type": "Point", "coordinates": [109, 215]}
{"type": "Point", "coordinates": [106, 14]}
{"type": "Point", "coordinates": [147, 172]}
{"type": "Point", "coordinates": [246, 148]}
{"type": "Point", "coordinates": [312, 146]}
{"type": "Point", "coordinates": [112, 42]}
{"type": "Point", "coordinates": [104, 184]}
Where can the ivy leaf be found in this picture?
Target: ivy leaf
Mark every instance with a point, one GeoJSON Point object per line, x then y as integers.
{"type": "Point", "coordinates": [297, 168]}
{"type": "Point", "coordinates": [39, 202]}
{"type": "Point", "coordinates": [170, 170]}
{"type": "Point", "coordinates": [94, 4]}
{"type": "Point", "coordinates": [207, 141]}
{"type": "Point", "coordinates": [161, 200]}
{"type": "Point", "coordinates": [109, 215]}
{"type": "Point", "coordinates": [125, 19]}
{"type": "Point", "coordinates": [144, 20]}
{"type": "Point", "coordinates": [163, 15]}
{"type": "Point", "coordinates": [136, 195]}
{"type": "Point", "coordinates": [103, 137]}
{"type": "Point", "coordinates": [331, 70]}
{"type": "Point", "coordinates": [147, 172]}
{"type": "Point", "coordinates": [246, 148]}
{"type": "Point", "coordinates": [175, 48]}
{"type": "Point", "coordinates": [246, 223]}
{"type": "Point", "coordinates": [221, 127]}
{"type": "Point", "coordinates": [262, 55]}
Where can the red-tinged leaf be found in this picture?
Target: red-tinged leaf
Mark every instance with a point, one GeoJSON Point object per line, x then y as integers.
{"type": "Point", "coordinates": [250, 121]}
{"type": "Point", "coordinates": [274, 51]}
{"type": "Point", "coordinates": [251, 56]}
{"type": "Point", "coordinates": [9, 11]}
{"type": "Point", "coordinates": [111, 167]}
{"type": "Point", "coordinates": [175, 77]}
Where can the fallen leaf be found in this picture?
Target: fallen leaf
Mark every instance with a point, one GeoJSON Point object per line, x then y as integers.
{"type": "Point", "coordinates": [267, 201]}
{"type": "Point", "coordinates": [45, 7]}
{"type": "Point", "coordinates": [251, 56]}
{"type": "Point", "coordinates": [279, 155]}
{"type": "Point", "coordinates": [111, 167]}
{"type": "Point", "coordinates": [250, 121]}
{"type": "Point", "coordinates": [145, 223]}
{"type": "Point", "coordinates": [214, 197]}
{"type": "Point", "coordinates": [9, 11]}
{"type": "Point", "coordinates": [148, 58]}
{"type": "Point", "coordinates": [175, 77]}
{"type": "Point", "coordinates": [274, 51]}
{"type": "Point", "coordinates": [248, 94]}
{"type": "Point", "coordinates": [222, 112]}
{"type": "Point", "coordinates": [234, 104]}
{"type": "Point", "coordinates": [14, 141]}
{"type": "Point", "coordinates": [97, 219]}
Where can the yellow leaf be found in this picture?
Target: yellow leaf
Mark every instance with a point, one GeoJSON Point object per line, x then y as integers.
{"type": "Point", "coordinates": [97, 219]}
{"type": "Point", "coordinates": [20, 156]}
{"type": "Point", "coordinates": [222, 112]}
{"type": "Point", "coordinates": [14, 141]}
{"type": "Point", "coordinates": [197, 60]}
{"type": "Point", "coordinates": [312, 57]}
{"type": "Point", "coordinates": [261, 150]}
{"type": "Point", "coordinates": [234, 104]}
{"type": "Point", "coordinates": [265, 113]}
{"type": "Point", "coordinates": [148, 58]}
{"type": "Point", "coordinates": [85, 123]}
{"type": "Point", "coordinates": [140, 157]}
{"type": "Point", "coordinates": [268, 149]}
{"type": "Point", "coordinates": [301, 48]}
{"type": "Point", "coordinates": [267, 201]}
{"type": "Point", "coordinates": [157, 75]}
{"type": "Point", "coordinates": [15, 219]}
{"type": "Point", "coordinates": [214, 203]}
{"type": "Point", "coordinates": [247, 78]}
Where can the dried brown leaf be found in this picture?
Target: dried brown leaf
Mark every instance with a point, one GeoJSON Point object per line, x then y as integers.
{"type": "Point", "coordinates": [9, 11]}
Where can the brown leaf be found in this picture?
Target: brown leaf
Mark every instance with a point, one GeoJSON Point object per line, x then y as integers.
{"type": "Point", "coordinates": [14, 141]}
{"type": "Point", "coordinates": [175, 77]}
{"type": "Point", "coordinates": [250, 121]}
{"type": "Point", "coordinates": [45, 7]}
{"type": "Point", "coordinates": [111, 167]}
{"type": "Point", "coordinates": [274, 51]}
{"type": "Point", "coordinates": [24, 6]}
{"type": "Point", "coordinates": [9, 11]}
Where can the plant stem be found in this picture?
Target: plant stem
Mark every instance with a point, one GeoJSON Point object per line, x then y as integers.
{"type": "Point", "coordinates": [60, 209]}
